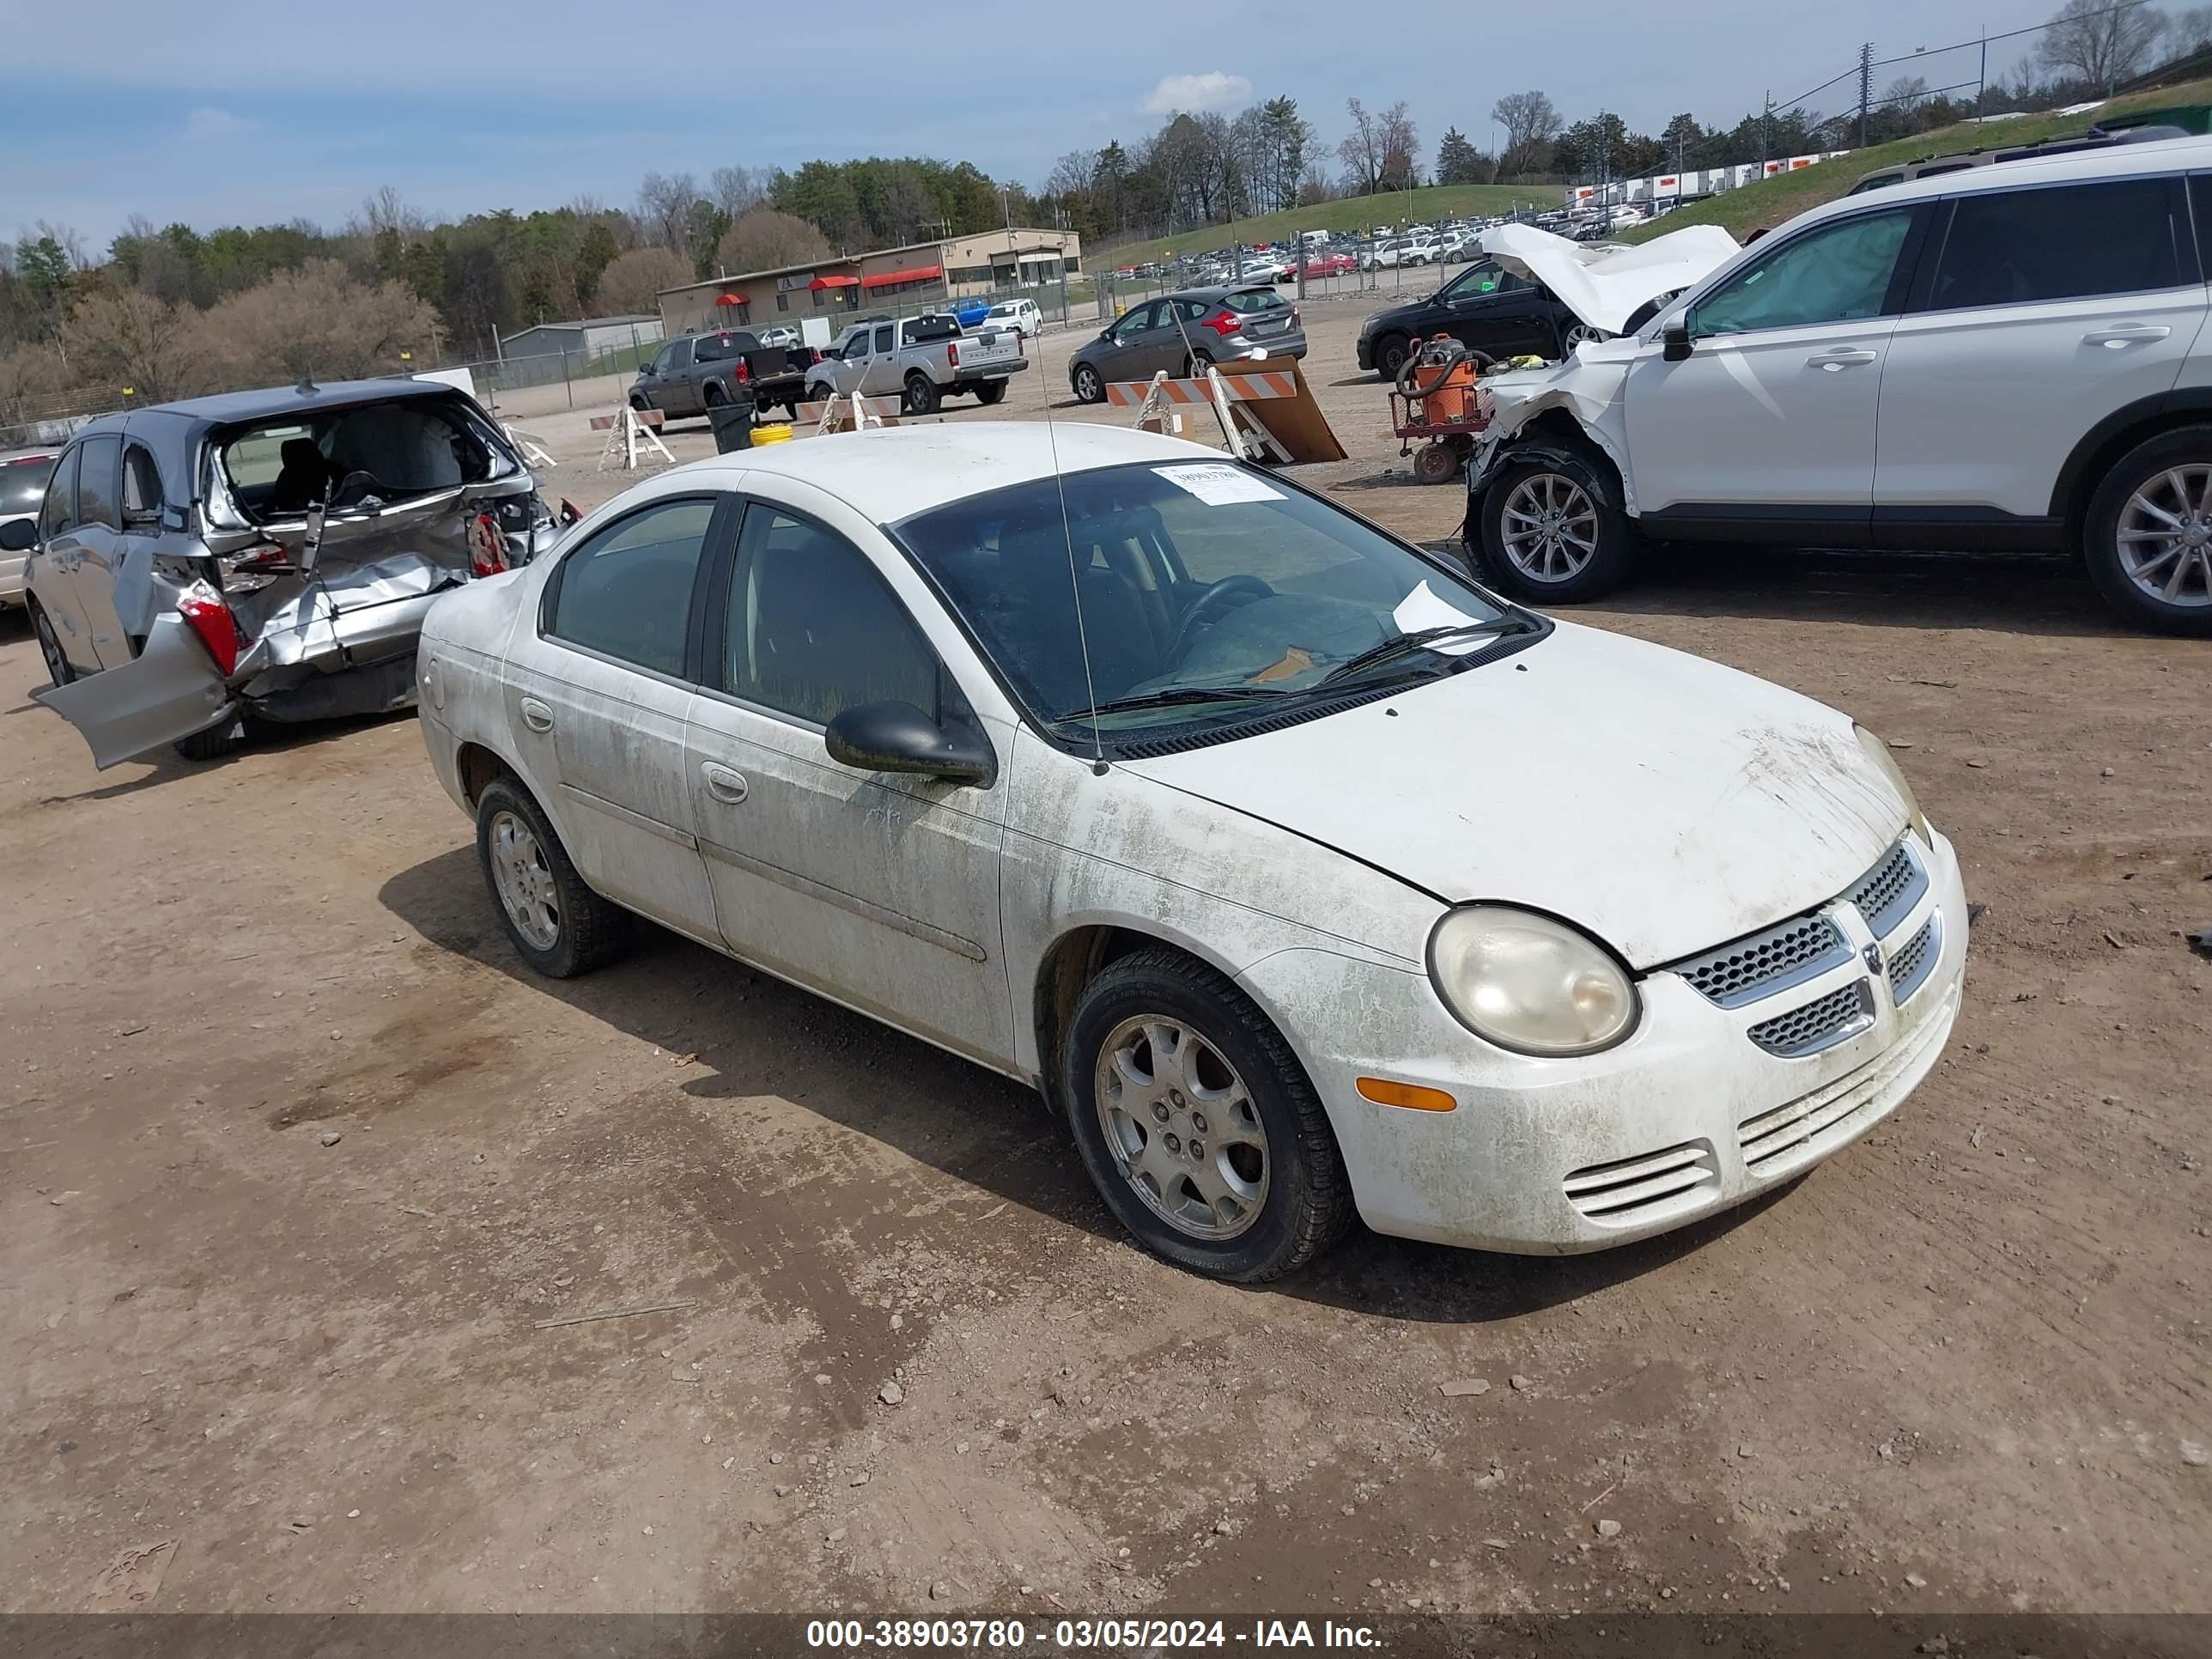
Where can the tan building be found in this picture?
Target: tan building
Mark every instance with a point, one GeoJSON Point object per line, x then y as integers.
{"type": "Point", "coordinates": [910, 278]}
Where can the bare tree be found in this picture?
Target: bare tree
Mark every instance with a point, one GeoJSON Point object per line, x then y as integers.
{"type": "Point", "coordinates": [119, 340]}
{"type": "Point", "coordinates": [1316, 185]}
{"type": "Point", "coordinates": [737, 191]}
{"type": "Point", "coordinates": [2190, 31]}
{"type": "Point", "coordinates": [1361, 150]}
{"type": "Point", "coordinates": [766, 239]}
{"type": "Point", "coordinates": [317, 321]}
{"type": "Point", "coordinates": [663, 207]}
{"type": "Point", "coordinates": [2095, 43]}
{"type": "Point", "coordinates": [1072, 174]}
{"type": "Point", "coordinates": [631, 284]}
{"type": "Point", "coordinates": [1529, 122]}
{"type": "Point", "coordinates": [1401, 141]}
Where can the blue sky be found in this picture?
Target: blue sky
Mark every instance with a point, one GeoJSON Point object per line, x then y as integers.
{"type": "Point", "coordinates": [252, 111]}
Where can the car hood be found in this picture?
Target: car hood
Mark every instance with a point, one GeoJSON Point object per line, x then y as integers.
{"type": "Point", "coordinates": [1605, 286]}
{"type": "Point", "coordinates": [1664, 803]}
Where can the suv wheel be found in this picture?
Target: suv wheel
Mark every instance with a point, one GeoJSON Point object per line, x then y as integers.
{"type": "Point", "coordinates": [2148, 538]}
{"type": "Point", "coordinates": [1390, 352]}
{"type": "Point", "coordinates": [1549, 535]}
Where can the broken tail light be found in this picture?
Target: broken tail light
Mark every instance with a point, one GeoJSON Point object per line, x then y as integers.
{"type": "Point", "coordinates": [252, 568]}
{"type": "Point", "coordinates": [203, 610]}
{"type": "Point", "coordinates": [487, 546]}
{"type": "Point", "coordinates": [1224, 322]}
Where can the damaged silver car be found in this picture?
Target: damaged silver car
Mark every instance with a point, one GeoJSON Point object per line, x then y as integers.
{"type": "Point", "coordinates": [263, 556]}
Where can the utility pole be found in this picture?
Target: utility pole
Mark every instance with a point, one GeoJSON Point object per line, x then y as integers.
{"type": "Point", "coordinates": [1866, 87]}
{"type": "Point", "coordinates": [1982, 80]}
{"type": "Point", "coordinates": [1766, 136]}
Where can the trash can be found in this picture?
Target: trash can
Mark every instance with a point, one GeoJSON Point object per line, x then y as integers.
{"type": "Point", "coordinates": [733, 425]}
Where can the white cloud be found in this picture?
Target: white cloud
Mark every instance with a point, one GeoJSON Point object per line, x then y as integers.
{"type": "Point", "coordinates": [208, 123]}
{"type": "Point", "coordinates": [1194, 93]}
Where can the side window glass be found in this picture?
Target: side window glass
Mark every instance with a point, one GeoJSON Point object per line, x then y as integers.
{"type": "Point", "coordinates": [627, 592]}
{"type": "Point", "coordinates": [98, 465]}
{"type": "Point", "coordinates": [1134, 322]}
{"type": "Point", "coordinates": [1838, 273]}
{"type": "Point", "coordinates": [2067, 242]}
{"type": "Point", "coordinates": [813, 630]}
{"type": "Point", "coordinates": [883, 337]}
{"type": "Point", "coordinates": [58, 514]}
{"type": "Point", "coordinates": [142, 484]}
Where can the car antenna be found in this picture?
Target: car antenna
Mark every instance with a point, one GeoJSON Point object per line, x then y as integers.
{"type": "Point", "coordinates": [1074, 583]}
{"type": "Point", "coordinates": [306, 388]}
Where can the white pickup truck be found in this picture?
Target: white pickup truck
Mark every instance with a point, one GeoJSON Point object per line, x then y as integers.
{"type": "Point", "coordinates": [922, 359]}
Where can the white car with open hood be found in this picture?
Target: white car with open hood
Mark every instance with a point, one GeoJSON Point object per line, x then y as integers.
{"type": "Point", "coordinates": [1301, 876]}
{"type": "Point", "coordinates": [2011, 357]}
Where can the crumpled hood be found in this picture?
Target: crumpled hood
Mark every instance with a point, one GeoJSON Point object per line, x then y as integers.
{"type": "Point", "coordinates": [1664, 803]}
{"type": "Point", "coordinates": [1603, 285]}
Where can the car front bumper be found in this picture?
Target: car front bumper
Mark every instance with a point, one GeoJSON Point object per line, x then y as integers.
{"type": "Point", "coordinates": [1687, 1117]}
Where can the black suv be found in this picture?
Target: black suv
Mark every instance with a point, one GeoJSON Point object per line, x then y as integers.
{"type": "Point", "coordinates": [1486, 308]}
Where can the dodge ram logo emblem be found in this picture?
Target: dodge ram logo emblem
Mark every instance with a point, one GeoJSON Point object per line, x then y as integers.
{"type": "Point", "coordinates": [1872, 956]}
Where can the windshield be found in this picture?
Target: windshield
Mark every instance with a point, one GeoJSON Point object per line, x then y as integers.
{"type": "Point", "coordinates": [23, 484]}
{"type": "Point", "coordinates": [1207, 591]}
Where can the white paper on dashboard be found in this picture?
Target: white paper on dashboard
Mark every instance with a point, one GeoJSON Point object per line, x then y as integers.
{"type": "Point", "coordinates": [1219, 484]}
{"type": "Point", "coordinates": [1422, 609]}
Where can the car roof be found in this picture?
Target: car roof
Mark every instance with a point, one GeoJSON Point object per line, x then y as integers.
{"type": "Point", "coordinates": [893, 472]}
{"type": "Point", "coordinates": [268, 403]}
{"type": "Point", "coordinates": [2077, 166]}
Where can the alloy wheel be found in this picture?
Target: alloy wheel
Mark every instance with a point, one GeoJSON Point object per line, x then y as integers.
{"type": "Point", "coordinates": [2164, 537]}
{"type": "Point", "coordinates": [526, 883]}
{"type": "Point", "coordinates": [1181, 1128]}
{"type": "Point", "coordinates": [1549, 527]}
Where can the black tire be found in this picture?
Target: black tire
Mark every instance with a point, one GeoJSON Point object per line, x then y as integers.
{"type": "Point", "coordinates": [988, 392]}
{"type": "Point", "coordinates": [226, 737]}
{"type": "Point", "coordinates": [1088, 385]}
{"type": "Point", "coordinates": [1390, 353]}
{"type": "Point", "coordinates": [1195, 363]}
{"type": "Point", "coordinates": [2189, 610]}
{"type": "Point", "coordinates": [1307, 1203]}
{"type": "Point", "coordinates": [59, 670]}
{"type": "Point", "coordinates": [1608, 564]}
{"type": "Point", "coordinates": [640, 401]}
{"type": "Point", "coordinates": [921, 397]}
{"type": "Point", "coordinates": [587, 930]}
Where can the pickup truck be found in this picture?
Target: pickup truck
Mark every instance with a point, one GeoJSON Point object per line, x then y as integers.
{"type": "Point", "coordinates": [922, 359]}
{"type": "Point", "coordinates": [689, 375]}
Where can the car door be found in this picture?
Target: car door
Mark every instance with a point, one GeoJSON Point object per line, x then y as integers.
{"type": "Point", "coordinates": [678, 391]}
{"type": "Point", "coordinates": [2043, 311]}
{"type": "Point", "coordinates": [880, 889]}
{"type": "Point", "coordinates": [881, 374]}
{"type": "Point", "coordinates": [597, 689]}
{"type": "Point", "coordinates": [658, 386]}
{"type": "Point", "coordinates": [98, 538]}
{"type": "Point", "coordinates": [49, 574]}
{"type": "Point", "coordinates": [1767, 426]}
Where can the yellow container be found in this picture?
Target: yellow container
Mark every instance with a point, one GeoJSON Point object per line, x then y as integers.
{"type": "Point", "coordinates": [771, 434]}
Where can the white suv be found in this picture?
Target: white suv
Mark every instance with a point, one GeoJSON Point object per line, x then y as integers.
{"type": "Point", "coordinates": [2007, 357]}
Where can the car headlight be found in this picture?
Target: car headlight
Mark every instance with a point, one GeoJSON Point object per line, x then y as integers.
{"type": "Point", "coordinates": [1529, 983]}
{"type": "Point", "coordinates": [1878, 752]}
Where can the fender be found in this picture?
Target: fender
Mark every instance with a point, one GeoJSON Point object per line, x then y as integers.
{"type": "Point", "coordinates": [2117, 434]}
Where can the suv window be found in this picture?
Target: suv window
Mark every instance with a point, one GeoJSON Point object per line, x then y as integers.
{"type": "Point", "coordinates": [627, 592]}
{"type": "Point", "coordinates": [23, 483]}
{"type": "Point", "coordinates": [2016, 247]}
{"type": "Point", "coordinates": [99, 463]}
{"type": "Point", "coordinates": [58, 514]}
{"type": "Point", "coordinates": [142, 483]}
{"type": "Point", "coordinates": [813, 630]}
{"type": "Point", "coordinates": [1838, 272]}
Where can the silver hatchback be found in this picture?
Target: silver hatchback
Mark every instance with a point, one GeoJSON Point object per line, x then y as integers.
{"type": "Point", "coordinates": [1183, 332]}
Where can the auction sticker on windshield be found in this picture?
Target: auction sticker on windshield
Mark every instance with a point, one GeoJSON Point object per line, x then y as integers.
{"type": "Point", "coordinates": [1220, 484]}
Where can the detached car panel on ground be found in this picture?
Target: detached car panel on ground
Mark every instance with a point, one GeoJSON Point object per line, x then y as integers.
{"type": "Point", "coordinates": [266, 553]}
{"type": "Point", "coordinates": [1299, 874]}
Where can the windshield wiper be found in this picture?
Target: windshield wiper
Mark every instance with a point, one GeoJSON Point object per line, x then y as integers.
{"type": "Point", "coordinates": [1421, 639]}
{"type": "Point", "coordinates": [1174, 696]}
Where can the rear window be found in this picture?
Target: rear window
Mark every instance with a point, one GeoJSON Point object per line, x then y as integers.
{"type": "Point", "coordinates": [715, 348]}
{"type": "Point", "coordinates": [1247, 301]}
{"type": "Point", "coordinates": [276, 468]}
{"type": "Point", "coordinates": [917, 330]}
{"type": "Point", "coordinates": [23, 484]}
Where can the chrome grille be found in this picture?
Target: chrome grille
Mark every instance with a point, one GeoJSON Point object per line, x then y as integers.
{"type": "Point", "coordinates": [1647, 1187]}
{"type": "Point", "coordinates": [1885, 895]}
{"type": "Point", "coordinates": [1820, 1023]}
{"type": "Point", "coordinates": [1914, 961]}
{"type": "Point", "coordinates": [1765, 963]}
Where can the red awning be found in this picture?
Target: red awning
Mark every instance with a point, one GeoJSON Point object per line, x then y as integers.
{"type": "Point", "coordinates": [834, 282]}
{"type": "Point", "coordinates": [918, 274]}
{"type": "Point", "coordinates": [729, 299]}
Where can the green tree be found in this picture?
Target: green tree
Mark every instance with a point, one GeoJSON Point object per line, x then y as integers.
{"type": "Point", "coordinates": [1459, 163]}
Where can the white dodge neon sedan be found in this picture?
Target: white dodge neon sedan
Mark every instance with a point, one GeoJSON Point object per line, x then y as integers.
{"type": "Point", "coordinates": [1300, 875]}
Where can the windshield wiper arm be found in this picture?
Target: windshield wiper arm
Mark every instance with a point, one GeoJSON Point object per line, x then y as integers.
{"type": "Point", "coordinates": [1174, 696]}
{"type": "Point", "coordinates": [1421, 639]}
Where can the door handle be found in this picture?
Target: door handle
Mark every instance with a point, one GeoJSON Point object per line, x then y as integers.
{"type": "Point", "coordinates": [1842, 357]}
{"type": "Point", "coordinates": [2114, 339]}
{"type": "Point", "coordinates": [722, 783]}
{"type": "Point", "coordinates": [536, 715]}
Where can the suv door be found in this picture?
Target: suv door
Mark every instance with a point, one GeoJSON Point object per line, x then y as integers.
{"type": "Point", "coordinates": [880, 889]}
{"type": "Point", "coordinates": [47, 575]}
{"type": "Point", "coordinates": [2045, 310]}
{"type": "Point", "coordinates": [98, 540]}
{"type": "Point", "coordinates": [598, 688]}
{"type": "Point", "coordinates": [1767, 426]}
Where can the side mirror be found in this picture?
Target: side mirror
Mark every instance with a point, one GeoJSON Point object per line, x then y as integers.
{"type": "Point", "coordinates": [1675, 343]}
{"type": "Point", "coordinates": [18, 535]}
{"type": "Point", "coordinates": [896, 736]}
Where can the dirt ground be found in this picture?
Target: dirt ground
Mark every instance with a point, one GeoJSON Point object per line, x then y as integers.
{"type": "Point", "coordinates": [294, 1155]}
